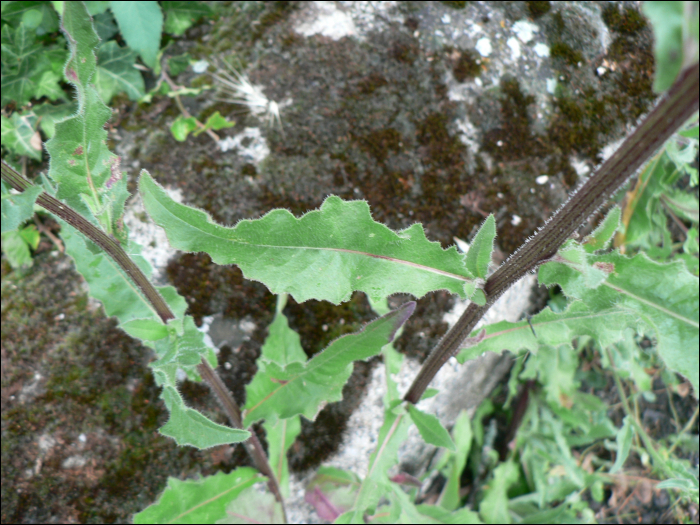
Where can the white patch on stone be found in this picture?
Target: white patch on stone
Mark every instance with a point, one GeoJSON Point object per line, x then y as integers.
{"type": "Point", "coordinates": [155, 247]}
{"type": "Point", "coordinates": [324, 18]}
{"type": "Point", "coordinates": [525, 30]}
{"type": "Point", "coordinates": [250, 144]}
{"type": "Point", "coordinates": [483, 46]}
{"type": "Point", "coordinates": [541, 50]}
{"type": "Point", "coordinates": [579, 166]}
{"type": "Point", "coordinates": [514, 46]}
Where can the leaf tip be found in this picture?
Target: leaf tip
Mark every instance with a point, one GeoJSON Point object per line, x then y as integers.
{"type": "Point", "coordinates": [402, 314]}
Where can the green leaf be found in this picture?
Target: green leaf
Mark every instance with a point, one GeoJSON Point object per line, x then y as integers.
{"type": "Point", "coordinates": [624, 444]}
{"type": "Point", "coordinates": [105, 26]}
{"type": "Point", "coordinates": [302, 388]}
{"type": "Point", "coordinates": [573, 255]}
{"type": "Point", "coordinates": [113, 288]}
{"type": "Point", "coordinates": [663, 296]}
{"type": "Point", "coordinates": [188, 427]}
{"type": "Point", "coordinates": [89, 178]}
{"type": "Point", "coordinates": [215, 122]}
{"type": "Point", "coordinates": [554, 329]}
{"type": "Point", "coordinates": [146, 329]}
{"type": "Point", "coordinates": [254, 506]}
{"type": "Point", "coordinates": [14, 13]}
{"type": "Point", "coordinates": [82, 40]}
{"type": "Point", "coordinates": [441, 515]}
{"type": "Point", "coordinates": [332, 492]}
{"type": "Point", "coordinates": [20, 136]}
{"type": "Point", "coordinates": [31, 18]}
{"type": "Point", "coordinates": [179, 16]}
{"type": "Point", "coordinates": [30, 235]}
{"type": "Point", "coordinates": [182, 127]}
{"type": "Point", "coordinates": [462, 435]}
{"type": "Point", "coordinates": [479, 297]}
{"type": "Point", "coordinates": [392, 434]}
{"type": "Point", "coordinates": [80, 160]}
{"type": "Point", "coordinates": [48, 86]}
{"type": "Point", "coordinates": [682, 203]}
{"type": "Point", "coordinates": [326, 254]}
{"type": "Point", "coordinates": [481, 248]}
{"type": "Point", "coordinates": [603, 234]}
{"type": "Point", "coordinates": [17, 208]}
{"type": "Point", "coordinates": [51, 114]}
{"type": "Point", "coordinates": [199, 501]}
{"type": "Point", "coordinates": [430, 428]}
{"type": "Point", "coordinates": [429, 392]}
{"type": "Point", "coordinates": [692, 133]}
{"type": "Point", "coordinates": [116, 73]}
{"type": "Point", "coordinates": [494, 505]}
{"type": "Point", "coordinates": [140, 23]}
{"type": "Point", "coordinates": [21, 60]}
{"type": "Point", "coordinates": [643, 217]}
{"type": "Point", "coordinates": [110, 285]}
{"type": "Point", "coordinates": [180, 63]}
{"type": "Point", "coordinates": [280, 437]}
{"type": "Point", "coordinates": [16, 249]}
{"type": "Point", "coordinates": [283, 345]}
{"type": "Point", "coordinates": [555, 366]}
{"type": "Point", "coordinates": [667, 23]}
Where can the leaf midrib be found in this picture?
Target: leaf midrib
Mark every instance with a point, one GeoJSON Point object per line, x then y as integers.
{"type": "Point", "coordinates": [418, 266]}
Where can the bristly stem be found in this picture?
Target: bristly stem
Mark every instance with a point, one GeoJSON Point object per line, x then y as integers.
{"type": "Point", "coordinates": [672, 111]}
{"type": "Point", "coordinates": [114, 250]}
{"type": "Point", "coordinates": [100, 238]}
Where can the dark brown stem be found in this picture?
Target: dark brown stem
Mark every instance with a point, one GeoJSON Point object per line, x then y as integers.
{"type": "Point", "coordinates": [100, 238]}
{"type": "Point", "coordinates": [672, 111]}
{"type": "Point", "coordinates": [253, 445]}
{"type": "Point", "coordinates": [114, 250]}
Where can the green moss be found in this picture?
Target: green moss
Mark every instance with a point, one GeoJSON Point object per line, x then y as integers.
{"type": "Point", "coordinates": [468, 66]}
{"type": "Point", "coordinates": [559, 24]}
{"type": "Point", "coordinates": [90, 379]}
{"type": "Point", "coordinates": [455, 5]}
{"type": "Point", "coordinates": [538, 9]}
{"type": "Point", "coordinates": [626, 20]}
{"type": "Point", "coordinates": [444, 149]}
{"type": "Point", "coordinates": [381, 143]}
{"type": "Point", "coordinates": [405, 51]}
{"type": "Point", "coordinates": [513, 140]}
{"type": "Point", "coordinates": [566, 53]}
{"type": "Point", "coordinates": [371, 83]}
{"type": "Point", "coordinates": [275, 13]}
{"type": "Point", "coordinates": [249, 170]}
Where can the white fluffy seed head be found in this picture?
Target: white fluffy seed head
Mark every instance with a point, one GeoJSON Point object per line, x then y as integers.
{"type": "Point", "coordinates": [238, 90]}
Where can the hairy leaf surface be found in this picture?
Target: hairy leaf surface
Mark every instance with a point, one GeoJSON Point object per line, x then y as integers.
{"type": "Point", "coordinates": [325, 254]}
{"type": "Point", "coordinates": [116, 72]}
{"type": "Point", "coordinates": [555, 329]}
{"type": "Point", "coordinates": [430, 428]}
{"type": "Point", "coordinates": [140, 24]}
{"type": "Point", "coordinates": [17, 208]}
{"type": "Point", "coordinates": [77, 152]}
{"type": "Point", "coordinates": [188, 427]}
{"type": "Point", "coordinates": [301, 388]}
{"type": "Point", "coordinates": [199, 501]}
{"type": "Point", "coordinates": [663, 296]}
{"type": "Point", "coordinates": [481, 248]}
